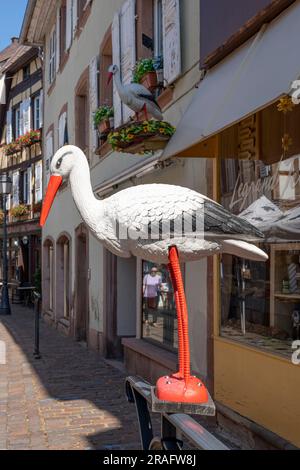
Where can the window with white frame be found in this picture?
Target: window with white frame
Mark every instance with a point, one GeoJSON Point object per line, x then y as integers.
{"type": "Point", "coordinates": [158, 28]}
{"type": "Point", "coordinates": [38, 182]}
{"type": "Point", "coordinates": [52, 55]}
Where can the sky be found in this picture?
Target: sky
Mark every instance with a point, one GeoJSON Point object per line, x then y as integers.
{"type": "Point", "coordinates": [11, 17]}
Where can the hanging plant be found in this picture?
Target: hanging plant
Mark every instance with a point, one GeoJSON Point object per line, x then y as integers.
{"type": "Point", "coordinates": [103, 119]}
{"type": "Point", "coordinates": [19, 211]}
{"type": "Point", "coordinates": [139, 133]}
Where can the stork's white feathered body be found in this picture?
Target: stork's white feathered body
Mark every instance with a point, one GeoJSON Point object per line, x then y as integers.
{"type": "Point", "coordinates": [123, 221]}
{"type": "Point", "coordinates": [136, 96]}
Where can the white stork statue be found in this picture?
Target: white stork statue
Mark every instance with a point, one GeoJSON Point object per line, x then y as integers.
{"type": "Point", "coordinates": [135, 96]}
{"type": "Point", "coordinates": [147, 221]}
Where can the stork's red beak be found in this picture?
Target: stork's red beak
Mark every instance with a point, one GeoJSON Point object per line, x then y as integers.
{"type": "Point", "coordinates": [53, 186]}
{"type": "Point", "coordinates": [110, 76]}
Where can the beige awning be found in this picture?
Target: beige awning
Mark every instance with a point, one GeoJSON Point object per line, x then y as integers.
{"type": "Point", "coordinates": [252, 77]}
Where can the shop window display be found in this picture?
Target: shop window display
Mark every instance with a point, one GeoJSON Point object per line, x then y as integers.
{"type": "Point", "coordinates": [260, 181]}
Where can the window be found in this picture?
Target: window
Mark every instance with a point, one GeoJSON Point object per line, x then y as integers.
{"type": "Point", "coordinates": [260, 302]}
{"type": "Point", "coordinates": [52, 56]}
{"type": "Point", "coordinates": [158, 28]}
{"type": "Point", "coordinates": [62, 29]}
{"type": "Point", "coordinates": [158, 306]}
{"type": "Point", "coordinates": [26, 72]}
{"type": "Point", "coordinates": [37, 112]}
{"type": "Point", "coordinates": [25, 187]}
{"type": "Point", "coordinates": [49, 153]}
{"type": "Point", "coordinates": [38, 182]}
{"type": "Point", "coordinates": [63, 129]}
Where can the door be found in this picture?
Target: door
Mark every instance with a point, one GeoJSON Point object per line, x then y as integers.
{"type": "Point", "coordinates": [82, 285]}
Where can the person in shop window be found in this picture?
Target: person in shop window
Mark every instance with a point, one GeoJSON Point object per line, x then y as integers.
{"type": "Point", "coordinates": [151, 291]}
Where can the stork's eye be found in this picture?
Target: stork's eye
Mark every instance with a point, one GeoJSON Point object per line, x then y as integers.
{"type": "Point", "coordinates": [58, 164]}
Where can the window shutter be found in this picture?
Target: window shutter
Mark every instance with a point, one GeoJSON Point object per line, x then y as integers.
{"type": "Point", "coordinates": [2, 90]}
{"type": "Point", "coordinates": [69, 24]}
{"type": "Point", "coordinates": [171, 40]}
{"type": "Point", "coordinates": [29, 185]}
{"type": "Point", "coordinates": [94, 93]}
{"type": "Point", "coordinates": [117, 61]}
{"type": "Point", "coordinates": [57, 39]}
{"type": "Point", "coordinates": [49, 155]}
{"type": "Point", "coordinates": [41, 108]}
{"type": "Point", "coordinates": [62, 129]}
{"type": "Point", "coordinates": [9, 126]}
{"type": "Point", "coordinates": [127, 46]}
{"type": "Point", "coordinates": [26, 116]}
{"type": "Point", "coordinates": [38, 182]}
{"type": "Point", "coordinates": [74, 17]}
{"type": "Point", "coordinates": [15, 189]}
{"type": "Point", "coordinates": [21, 130]}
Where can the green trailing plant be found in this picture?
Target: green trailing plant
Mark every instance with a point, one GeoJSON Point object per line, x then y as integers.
{"type": "Point", "coordinates": [139, 131]}
{"type": "Point", "coordinates": [19, 211]}
{"type": "Point", "coordinates": [102, 114]}
{"type": "Point", "coordinates": [142, 67]}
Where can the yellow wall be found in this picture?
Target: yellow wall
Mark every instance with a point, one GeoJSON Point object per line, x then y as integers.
{"type": "Point", "coordinates": [259, 386]}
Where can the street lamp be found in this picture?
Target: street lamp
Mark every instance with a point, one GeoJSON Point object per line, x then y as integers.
{"type": "Point", "coordinates": [5, 189]}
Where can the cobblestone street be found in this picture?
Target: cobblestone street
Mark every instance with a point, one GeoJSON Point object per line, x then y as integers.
{"type": "Point", "coordinates": [70, 399]}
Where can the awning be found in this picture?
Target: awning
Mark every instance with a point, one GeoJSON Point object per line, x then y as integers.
{"type": "Point", "coordinates": [252, 77]}
{"type": "Point", "coordinates": [2, 90]}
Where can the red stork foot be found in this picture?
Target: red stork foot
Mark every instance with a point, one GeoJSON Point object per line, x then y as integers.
{"type": "Point", "coordinates": [176, 389]}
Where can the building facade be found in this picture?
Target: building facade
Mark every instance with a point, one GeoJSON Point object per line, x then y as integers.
{"type": "Point", "coordinates": [242, 316]}
{"type": "Point", "coordinates": [21, 159]}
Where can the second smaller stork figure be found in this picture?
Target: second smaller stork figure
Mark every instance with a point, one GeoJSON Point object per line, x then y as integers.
{"type": "Point", "coordinates": [135, 96]}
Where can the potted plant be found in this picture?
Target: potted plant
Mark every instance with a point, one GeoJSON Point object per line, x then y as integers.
{"type": "Point", "coordinates": [103, 119]}
{"type": "Point", "coordinates": [145, 73]}
{"type": "Point", "coordinates": [20, 211]}
{"type": "Point", "coordinates": [30, 138]}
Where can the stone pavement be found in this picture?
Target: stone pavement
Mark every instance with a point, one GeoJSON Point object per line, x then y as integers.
{"type": "Point", "coordinates": [70, 399]}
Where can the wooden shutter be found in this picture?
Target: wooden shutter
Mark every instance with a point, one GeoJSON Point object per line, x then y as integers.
{"type": "Point", "coordinates": [57, 39]}
{"type": "Point", "coordinates": [15, 188]}
{"type": "Point", "coordinates": [62, 129]}
{"type": "Point", "coordinates": [26, 116]}
{"type": "Point", "coordinates": [74, 17]}
{"type": "Point", "coordinates": [21, 128]}
{"type": "Point", "coordinates": [49, 155]}
{"type": "Point", "coordinates": [117, 61]}
{"type": "Point", "coordinates": [41, 108]}
{"type": "Point", "coordinates": [94, 102]}
{"type": "Point", "coordinates": [127, 47]}
{"type": "Point", "coordinates": [69, 25]}
{"type": "Point", "coordinates": [2, 90]}
{"type": "Point", "coordinates": [9, 126]}
{"type": "Point", "coordinates": [171, 40]}
{"type": "Point", "coordinates": [38, 182]}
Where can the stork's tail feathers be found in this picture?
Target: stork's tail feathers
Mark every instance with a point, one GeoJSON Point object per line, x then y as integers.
{"type": "Point", "coordinates": [243, 250]}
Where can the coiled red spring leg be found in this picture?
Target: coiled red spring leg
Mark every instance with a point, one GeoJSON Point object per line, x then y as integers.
{"type": "Point", "coordinates": [181, 388]}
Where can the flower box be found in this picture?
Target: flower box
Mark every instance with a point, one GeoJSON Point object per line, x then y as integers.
{"type": "Point", "coordinates": [141, 137]}
{"type": "Point", "coordinates": [104, 127]}
{"type": "Point", "coordinates": [149, 80]}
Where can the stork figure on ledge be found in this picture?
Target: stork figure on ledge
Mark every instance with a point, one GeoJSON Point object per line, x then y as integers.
{"type": "Point", "coordinates": [137, 97]}
{"type": "Point", "coordinates": [123, 222]}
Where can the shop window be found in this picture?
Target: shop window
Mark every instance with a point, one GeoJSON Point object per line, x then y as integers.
{"type": "Point", "coordinates": [159, 319]}
{"type": "Point", "coordinates": [260, 302]}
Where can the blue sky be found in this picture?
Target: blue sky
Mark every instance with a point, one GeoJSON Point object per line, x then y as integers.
{"type": "Point", "coordinates": [11, 17]}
